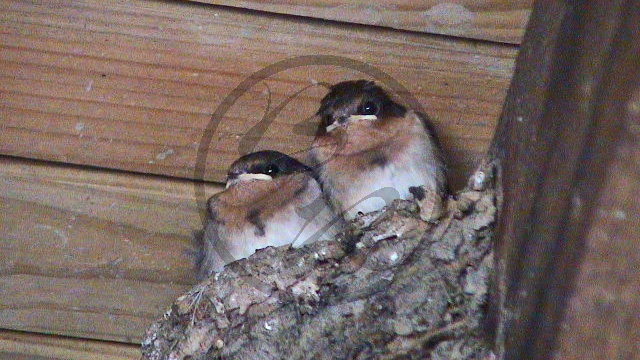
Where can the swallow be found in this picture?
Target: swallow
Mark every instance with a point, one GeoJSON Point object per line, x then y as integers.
{"type": "Point", "coordinates": [270, 199]}
{"type": "Point", "coordinates": [370, 150]}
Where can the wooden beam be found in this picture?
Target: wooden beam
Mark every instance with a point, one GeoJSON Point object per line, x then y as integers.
{"type": "Point", "coordinates": [132, 85]}
{"type": "Point", "coordinates": [92, 253]}
{"type": "Point", "coordinates": [20, 345]}
{"type": "Point", "coordinates": [62, 220]}
{"type": "Point", "coordinates": [95, 308]}
{"type": "Point", "coordinates": [604, 309]}
{"type": "Point", "coordinates": [567, 143]}
{"type": "Point", "coordinates": [495, 20]}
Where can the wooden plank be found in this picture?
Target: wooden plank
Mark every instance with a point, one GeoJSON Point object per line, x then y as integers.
{"type": "Point", "coordinates": [66, 221]}
{"type": "Point", "coordinates": [132, 85]}
{"type": "Point", "coordinates": [495, 20]}
{"type": "Point", "coordinates": [89, 252]}
{"type": "Point", "coordinates": [604, 308]}
{"type": "Point", "coordinates": [568, 146]}
{"type": "Point", "coordinates": [108, 309]}
{"type": "Point", "coordinates": [19, 345]}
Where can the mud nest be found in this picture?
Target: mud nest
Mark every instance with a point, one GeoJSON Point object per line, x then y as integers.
{"type": "Point", "coordinates": [410, 281]}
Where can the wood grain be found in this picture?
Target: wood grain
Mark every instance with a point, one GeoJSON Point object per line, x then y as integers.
{"type": "Point", "coordinates": [604, 307]}
{"type": "Point", "coordinates": [18, 345]}
{"type": "Point", "coordinates": [495, 20]}
{"type": "Point", "coordinates": [92, 253]}
{"type": "Point", "coordinates": [67, 221]}
{"type": "Point", "coordinates": [108, 309]}
{"type": "Point", "coordinates": [568, 145]}
{"type": "Point", "coordinates": [132, 85]}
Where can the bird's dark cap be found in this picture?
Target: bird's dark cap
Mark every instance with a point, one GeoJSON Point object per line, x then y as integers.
{"type": "Point", "coordinates": [267, 162]}
{"type": "Point", "coordinates": [344, 93]}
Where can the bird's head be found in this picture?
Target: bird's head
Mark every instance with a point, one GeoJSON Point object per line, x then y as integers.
{"type": "Point", "coordinates": [263, 165]}
{"type": "Point", "coordinates": [357, 100]}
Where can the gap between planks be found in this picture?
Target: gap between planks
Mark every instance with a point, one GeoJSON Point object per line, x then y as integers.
{"type": "Point", "coordinates": [69, 94]}
{"type": "Point", "coordinates": [21, 345]}
{"type": "Point", "coordinates": [92, 253]}
{"type": "Point", "coordinates": [499, 20]}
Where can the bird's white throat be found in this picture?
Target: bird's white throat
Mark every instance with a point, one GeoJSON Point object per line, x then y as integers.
{"type": "Point", "coordinates": [248, 177]}
{"type": "Point", "coordinates": [335, 125]}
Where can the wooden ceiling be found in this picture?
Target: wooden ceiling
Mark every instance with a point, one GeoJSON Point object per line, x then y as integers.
{"type": "Point", "coordinates": [132, 86]}
{"type": "Point", "coordinates": [104, 105]}
{"type": "Point", "coordinates": [494, 20]}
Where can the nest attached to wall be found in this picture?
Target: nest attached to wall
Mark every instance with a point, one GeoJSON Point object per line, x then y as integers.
{"type": "Point", "coordinates": [398, 284]}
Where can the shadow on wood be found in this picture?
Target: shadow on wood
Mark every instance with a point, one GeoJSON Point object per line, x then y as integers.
{"type": "Point", "coordinates": [568, 144]}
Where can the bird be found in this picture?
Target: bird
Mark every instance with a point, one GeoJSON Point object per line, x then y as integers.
{"type": "Point", "coordinates": [270, 199]}
{"type": "Point", "coordinates": [369, 150]}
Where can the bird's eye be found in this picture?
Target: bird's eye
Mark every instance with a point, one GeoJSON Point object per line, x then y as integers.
{"type": "Point", "coordinates": [271, 170]}
{"type": "Point", "coordinates": [369, 108]}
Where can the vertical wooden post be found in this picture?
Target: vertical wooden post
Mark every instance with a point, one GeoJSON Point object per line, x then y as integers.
{"type": "Point", "coordinates": [568, 149]}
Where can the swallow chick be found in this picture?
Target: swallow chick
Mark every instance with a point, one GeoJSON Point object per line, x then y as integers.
{"type": "Point", "coordinates": [270, 199]}
{"type": "Point", "coordinates": [370, 150]}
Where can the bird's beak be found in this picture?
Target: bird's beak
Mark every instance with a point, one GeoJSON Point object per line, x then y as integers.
{"type": "Point", "coordinates": [333, 126]}
{"type": "Point", "coordinates": [341, 121]}
{"type": "Point", "coordinates": [344, 120]}
{"type": "Point", "coordinates": [362, 117]}
{"type": "Point", "coordinates": [248, 177]}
